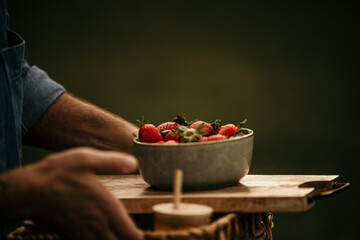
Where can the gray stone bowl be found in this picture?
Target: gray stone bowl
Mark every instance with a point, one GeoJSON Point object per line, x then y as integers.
{"type": "Point", "coordinates": [205, 165]}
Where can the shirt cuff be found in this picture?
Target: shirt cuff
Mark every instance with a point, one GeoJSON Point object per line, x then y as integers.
{"type": "Point", "coordinates": [40, 92]}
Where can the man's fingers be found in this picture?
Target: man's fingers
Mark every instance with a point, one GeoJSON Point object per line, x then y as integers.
{"type": "Point", "coordinates": [99, 161]}
{"type": "Point", "coordinates": [123, 226]}
{"type": "Point", "coordinates": [110, 162]}
{"type": "Point", "coordinates": [109, 235]}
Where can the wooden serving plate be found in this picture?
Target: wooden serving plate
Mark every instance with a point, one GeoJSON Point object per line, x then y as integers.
{"type": "Point", "coordinates": [254, 193]}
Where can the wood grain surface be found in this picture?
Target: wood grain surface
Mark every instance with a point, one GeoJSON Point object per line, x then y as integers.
{"type": "Point", "coordinates": [254, 193]}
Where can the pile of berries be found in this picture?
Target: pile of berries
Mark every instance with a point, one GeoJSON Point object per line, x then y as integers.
{"type": "Point", "coordinates": [180, 131]}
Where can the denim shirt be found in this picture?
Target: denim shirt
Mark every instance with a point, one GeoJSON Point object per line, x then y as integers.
{"type": "Point", "coordinates": [25, 95]}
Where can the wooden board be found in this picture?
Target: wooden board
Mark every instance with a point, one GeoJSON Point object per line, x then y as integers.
{"type": "Point", "coordinates": [254, 193]}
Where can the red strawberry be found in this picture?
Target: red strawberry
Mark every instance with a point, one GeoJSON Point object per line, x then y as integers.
{"type": "Point", "coordinates": [203, 139]}
{"type": "Point", "coordinates": [170, 142]}
{"type": "Point", "coordinates": [215, 137]}
{"type": "Point", "coordinates": [169, 136]}
{"type": "Point", "coordinates": [227, 130]}
{"type": "Point", "coordinates": [207, 127]}
{"type": "Point", "coordinates": [168, 126]}
{"type": "Point", "coordinates": [150, 134]}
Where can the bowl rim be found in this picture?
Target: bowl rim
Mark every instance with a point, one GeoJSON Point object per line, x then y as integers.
{"type": "Point", "coordinates": [250, 134]}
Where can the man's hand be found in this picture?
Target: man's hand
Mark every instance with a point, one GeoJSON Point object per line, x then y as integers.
{"type": "Point", "coordinates": [63, 193]}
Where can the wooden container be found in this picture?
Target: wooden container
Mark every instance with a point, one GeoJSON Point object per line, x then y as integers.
{"type": "Point", "coordinates": [186, 216]}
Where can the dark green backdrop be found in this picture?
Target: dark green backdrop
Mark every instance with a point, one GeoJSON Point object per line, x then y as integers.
{"type": "Point", "coordinates": [290, 68]}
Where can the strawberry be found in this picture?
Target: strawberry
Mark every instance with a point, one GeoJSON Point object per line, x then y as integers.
{"type": "Point", "coordinates": [170, 142]}
{"type": "Point", "coordinates": [215, 137]}
{"type": "Point", "coordinates": [189, 134]}
{"type": "Point", "coordinates": [207, 127]}
{"type": "Point", "coordinates": [150, 134]}
{"type": "Point", "coordinates": [203, 139]}
{"type": "Point", "coordinates": [227, 130]}
{"type": "Point", "coordinates": [170, 136]}
{"type": "Point", "coordinates": [168, 126]}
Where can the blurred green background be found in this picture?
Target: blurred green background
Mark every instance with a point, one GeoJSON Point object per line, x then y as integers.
{"type": "Point", "coordinates": [290, 68]}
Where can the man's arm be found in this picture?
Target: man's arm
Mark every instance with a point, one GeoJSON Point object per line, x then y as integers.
{"type": "Point", "coordinates": [71, 122]}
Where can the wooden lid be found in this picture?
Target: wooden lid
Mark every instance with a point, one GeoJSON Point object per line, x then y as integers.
{"type": "Point", "coordinates": [187, 213]}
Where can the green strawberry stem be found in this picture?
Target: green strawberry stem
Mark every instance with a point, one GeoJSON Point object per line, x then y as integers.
{"type": "Point", "coordinates": [242, 123]}
{"type": "Point", "coordinates": [241, 131]}
{"type": "Point", "coordinates": [141, 122]}
{"type": "Point", "coordinates": [189, 134]}
{"type": "Point", "coordinates": [199, 129]}
{"type": "Point", "coordinates": [181, 120]}
{"type": "Point", "coordinates": [164, 132]}
{"type": "Point", "coordinates": [216, 124]}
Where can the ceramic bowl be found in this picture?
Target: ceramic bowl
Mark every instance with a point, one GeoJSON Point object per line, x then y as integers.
{"type": "Point", "coordinates": [205, 165]}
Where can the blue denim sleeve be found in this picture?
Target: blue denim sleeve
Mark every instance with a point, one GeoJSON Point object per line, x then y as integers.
{"type": "Point", "coordinates": [40, 92]}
